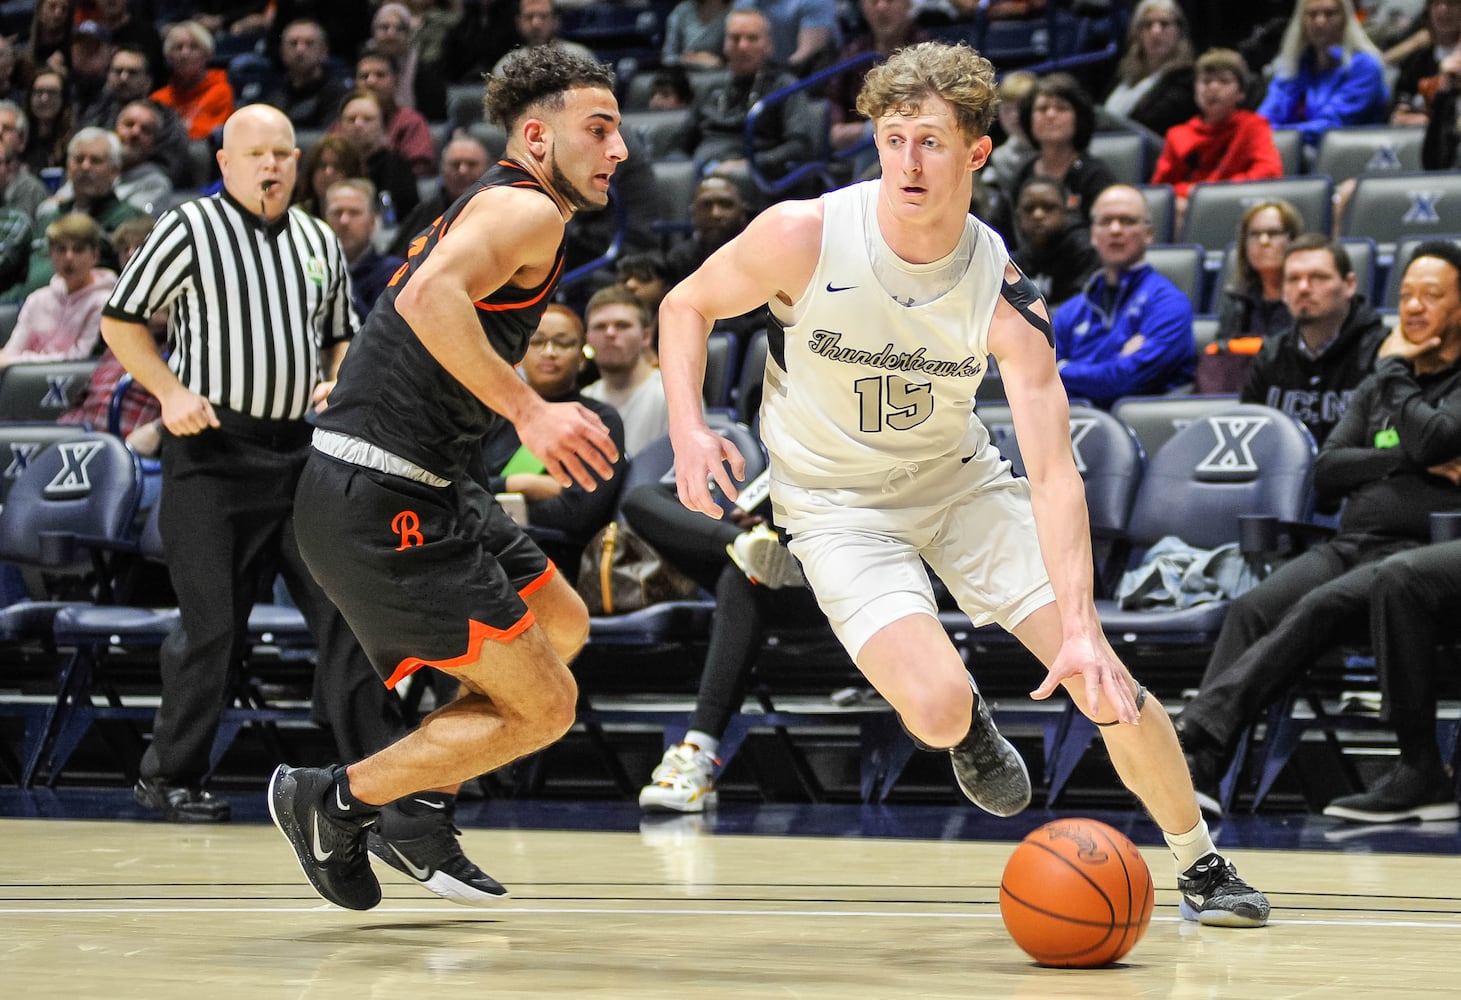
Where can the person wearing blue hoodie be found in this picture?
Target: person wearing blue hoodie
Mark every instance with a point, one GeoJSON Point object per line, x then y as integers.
{"type": "Point", "coordinates": [1129, 332]}
{"type": "Point", "coordinates": [1327, 73]}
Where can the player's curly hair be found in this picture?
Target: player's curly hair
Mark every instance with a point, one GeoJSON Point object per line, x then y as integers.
{"type": "Point", "coordinates": [955, 73]}
{"type": "Point", "coordinates": [539, 76]}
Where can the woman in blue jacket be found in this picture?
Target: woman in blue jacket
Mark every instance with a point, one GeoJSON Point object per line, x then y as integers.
{"type": "Point", "coordinates": [1327, 73]}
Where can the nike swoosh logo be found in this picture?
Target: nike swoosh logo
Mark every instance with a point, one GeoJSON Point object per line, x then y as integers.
{"type": "Point", "coordinates": [321, 855]}
{"type": "Point", "coordinates": [420, 874]}
{"type": "Point", "coordinates": [431, 805]}
{"type": "Point", "coordinates": [834, 288]}
{"type": "Point", "coordinates": [339, 801]}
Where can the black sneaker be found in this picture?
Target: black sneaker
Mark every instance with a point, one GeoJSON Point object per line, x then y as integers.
{"type": "Point", "coordinates": [178, 803]}
{"type": "Point", "coordinates": [331, 851]}
{"type": "Point", "coordinates": [990, 771]}
{"type": "Point", "coordinates": [1213, 894]}
{"type": "Point", "coordinates": [426, 848]}
{"type": "Point", "coordinates": [1406, 793]}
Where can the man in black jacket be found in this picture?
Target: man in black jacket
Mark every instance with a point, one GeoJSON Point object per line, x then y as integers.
{"type": "Point", "coordinates": [1311, 370]}
{"type": "Point", "coordinates": [1388, 458]}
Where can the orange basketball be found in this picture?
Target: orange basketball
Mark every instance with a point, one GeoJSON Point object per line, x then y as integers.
{"type": "Point", "coordinates": [1076, 893]}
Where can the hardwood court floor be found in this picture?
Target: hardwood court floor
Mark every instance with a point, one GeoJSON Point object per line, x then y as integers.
{"type": "Point", "coordinates": [125, 909]}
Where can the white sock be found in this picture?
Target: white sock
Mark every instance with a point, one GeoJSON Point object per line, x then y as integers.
{"type": "Point", "coordinates": [1190, 847]}
{"type": "Point", "coordinates": [702, 741]}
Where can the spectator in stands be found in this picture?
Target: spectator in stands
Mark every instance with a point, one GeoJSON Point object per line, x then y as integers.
{"type": "Point", "coordinates": [804, 33]}
{"type": "Point", "coordinates": [724, 556]}
{"type": "Point", "coordinates": [48, 44]}
{"type": "Point", "coordinates": [202, 97]}
{"type": "Point", "coordinates": [1223, 142]}
{"type": "Point", "coordinates": [1059, 118]}
{"type": "Point", "coordinates": [670, 89]}
{"type": "Point", "coordinates": [51, 120]}
{"type": "Point", "coordinates": [1129, 332]}
{"type": "Point", "coordinates": [129, 31]}
{"type": "Point", "coordinates": [62, 321]}
{"type": "Point", "coordinates": [91, 51]}
{"type": "Point", "coordinates": [551, 366]}
{"type": "Point", "coordinates": [1154, 78]}
{"type": "Point", "coordinates": [1438, 151]}
{"type": "Point", "coordinates": [309, 93]}
{"type": "Point", "coordinates": [93, 165]}
{"type": "Point", "coordinates": [647, 275]}
{"type": "Point", "coordinates": [332, 158]}
{"type": "Point", "coordinates": [418, 85]}
{"type": "Point", "coordinates": [129, 78]}
{"type": "Point", "coordinates": [1390, 460]}
{"type": "Point", "coordinates": [485, 32]}
{"type": "Point", "coordinates": [16, 231]}
{"type": "Point", "coordinates": [1051, 248]}
{"type": "Point", "coordinates": [362, 124]}
{"type": "Point", "coordinates": [22, 190]}
{"type": "Point", "coordinates": [537, 24]}
{"type": "Point", "coordinates": [143, 181]}
{"type": "Point", "coordinates": [695, 34]}
{"type": "Point", "coordinates": [1327, 73]}
{"type": "Point", "coordinates": [1420, 72]}
{"type": "Point", "coordinates": [1310, 370]}
{"type": "Point", "coordinates": [889, 26]}
{"type": "Point", "coordinates": [10, 86]}
{"type": "Point", "coordinates": [346, 24]}
{"type": "Point", "coordinates": [717, 212]}
{"type": "Point", "coordinates": [619, 331]}
{"type": "Point", "coordinates": [1411, 611]}
{"type": "Point", "coordinates": [138, 416]}
{"type": "Point", "coordinates": [225, 17]}
{"type": "Point", "coordinates": [717, 133]}
{"type": "Point", "coordinates": [1253, 301]}
{"type": "Point", "coordinates": [407, 134]}
{"type": "Point", "coordinates": [1009, 156]}
{"type": "Point", "coordinates": [463, 160]}
{"type": "Point", "coordinates": [351, 209]}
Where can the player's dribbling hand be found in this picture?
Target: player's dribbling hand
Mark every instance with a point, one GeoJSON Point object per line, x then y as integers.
{"type": "Point", "coordinates": [184, 412]}
{"type": "Point", "coordinates": [701, 456]}
{"type": "Point", "coordinates": [1107, 683]}
{"type": "Point", "coordinates": [570, 439]}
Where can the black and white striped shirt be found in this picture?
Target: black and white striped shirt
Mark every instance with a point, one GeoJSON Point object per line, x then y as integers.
{"type": "Point", "coordinates": [253, 304]}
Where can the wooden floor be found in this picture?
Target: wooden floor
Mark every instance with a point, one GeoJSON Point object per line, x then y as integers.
{"type": "Point", "coordinates": [115, 909]}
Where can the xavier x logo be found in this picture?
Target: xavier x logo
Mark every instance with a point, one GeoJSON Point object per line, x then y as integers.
{"type": "Point", "coordinates": [1233, 452]}
{"type": "Point", "coordinates": [21, 452]}
{"type": "Point", "coordinates": [1423, 208]}
{"type": "Point", "coordinates": [58, 392]}
{"type": "Point", "coordinates": [1079, 428]}
{"type": "Point", "coordinates": [73, 480]}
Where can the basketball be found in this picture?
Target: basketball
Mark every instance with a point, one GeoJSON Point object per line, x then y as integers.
{"type": "Point", "coordinates": [1076, 894]}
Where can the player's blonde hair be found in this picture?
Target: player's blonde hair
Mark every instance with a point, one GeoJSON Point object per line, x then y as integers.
{"type": "Point", "coordinates": [955, 73]}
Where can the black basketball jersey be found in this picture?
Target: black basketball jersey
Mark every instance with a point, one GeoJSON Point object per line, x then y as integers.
{"type": "Point", "coordinates": [394, 394]}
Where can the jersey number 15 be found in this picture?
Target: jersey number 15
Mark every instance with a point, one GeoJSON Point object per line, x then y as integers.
{"type": "Point", "coordinates": [907, 404]}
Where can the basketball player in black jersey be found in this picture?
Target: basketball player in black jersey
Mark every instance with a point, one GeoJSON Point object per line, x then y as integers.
{"type": "Point", "coordinates": [426, 567]}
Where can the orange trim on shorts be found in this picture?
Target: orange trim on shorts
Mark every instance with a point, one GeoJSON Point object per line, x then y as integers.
{"type": "Point", "coordinates": [477, 634]}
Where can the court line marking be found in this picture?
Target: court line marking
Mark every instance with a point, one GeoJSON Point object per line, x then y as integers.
{"type": "Point", "coordinates": [666, 911]}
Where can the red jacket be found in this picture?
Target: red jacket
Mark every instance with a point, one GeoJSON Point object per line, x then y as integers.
{"type": "Point", "coordinates": [1238, 149]}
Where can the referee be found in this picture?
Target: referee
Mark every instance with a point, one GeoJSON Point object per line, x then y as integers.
{"type": "Point", "coordinates": [261, 316]}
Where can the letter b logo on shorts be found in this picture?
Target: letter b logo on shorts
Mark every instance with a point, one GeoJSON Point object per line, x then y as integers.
{"type": "Point", "coordinates": [408, 526]}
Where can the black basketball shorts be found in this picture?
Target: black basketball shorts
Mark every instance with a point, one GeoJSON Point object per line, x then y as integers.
{"type": "Point", "coordinates": [423, 574]}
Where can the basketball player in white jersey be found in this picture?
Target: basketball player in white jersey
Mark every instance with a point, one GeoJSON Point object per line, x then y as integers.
{"type": "Point", "coordinates": [889, 296]}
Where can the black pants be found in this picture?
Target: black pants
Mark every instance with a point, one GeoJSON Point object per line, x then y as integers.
{"type": "Point", "coordinates": [1273, 633]}
{"type": "Point", "coordinates": [696, 545]}
{"type": "Point", "coordinates": [1413, 608]}
{"type": "Point", "coordinates": [226, 520]}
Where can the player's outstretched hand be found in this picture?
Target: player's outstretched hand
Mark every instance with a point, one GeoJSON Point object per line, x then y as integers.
{"type": "Point", "coordinates": [569, 439]}
{"type": "Point", "coordinates": [1107, 682]}
{"type": "Point", "coordinates": [701, 455]}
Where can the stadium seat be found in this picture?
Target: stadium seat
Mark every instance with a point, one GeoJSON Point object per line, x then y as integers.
{"type": "Point", "coordinates": [1390, 207]}
{"type": "Point", "coordinates": [1214, 209]}
{"type": "Point", "coordinates": [42, 391]}
{"type": "Point", "coordinates": [1160, 205]}
{"type": "Point", "coordinates": [721, 351]}
{"type": "Point", "coordinates": [1125, 153]}
{"type": "Point", "coordinates": [674, 185]}
{"type": "Point", "coordinates": [20, 443]}
{"type": "Point", "coordinates": [663, 131]}
{"type": "Point", "coordinates": [1290, 145]}
{"type": "Point", "coordinates": [1351, 152]}
{"type": "Point", "coordinates": [1156, 419]}
{"type": "Point", "coordinates": [1182, 265]}
{"type": "Point", "coordinates": [1404, 250]}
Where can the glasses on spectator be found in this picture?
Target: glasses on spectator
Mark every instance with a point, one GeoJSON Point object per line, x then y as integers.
{"type": "Point", "coordinates": [1259, 235]}
{"type": "Point", "coordinates": [563, 345]}
{"type": "Point", "coordinates": [1125, 221]}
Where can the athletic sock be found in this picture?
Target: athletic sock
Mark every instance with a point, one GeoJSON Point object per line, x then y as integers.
{"type": "Point", "coordinates": [702, 741]}
{"type": "Point", "coordinates": [1190, 847]}
{"type": "Point", "coordinates": [341, 803]}
{"type": "Point", "coordinates": [425, 803]}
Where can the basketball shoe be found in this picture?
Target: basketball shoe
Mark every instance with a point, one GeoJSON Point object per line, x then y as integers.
{"type": "Point", "coordinates": [331, 851]}
{"type": "Point", "coordinates": [684, 782]}
{"type": "Point", "coordinates": [765, 560]}
{"type": "Point", "coordinates": [1406, 793]}
{"type": "Point", "coordinates": [426, 848]}
{"type": "Point", "coordinates": [990, 771]}
{"type": "Point", "coordinates": [1213, 894]}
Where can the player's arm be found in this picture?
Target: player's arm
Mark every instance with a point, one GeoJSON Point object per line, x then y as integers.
{"type": "Point", "coordinates": [501, 234]}
{"type": "Point", "coordinates": [1020, 341]}
{"type": "Point", "coordinates": [773, 258]}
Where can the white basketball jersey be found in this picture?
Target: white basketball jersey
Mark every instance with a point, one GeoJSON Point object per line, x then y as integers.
{"type": "Point", "coordinates": [861, 386]}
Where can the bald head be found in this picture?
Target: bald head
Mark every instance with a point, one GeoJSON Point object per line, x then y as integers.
{"type": "Point", "coordinates": [259, 159]}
